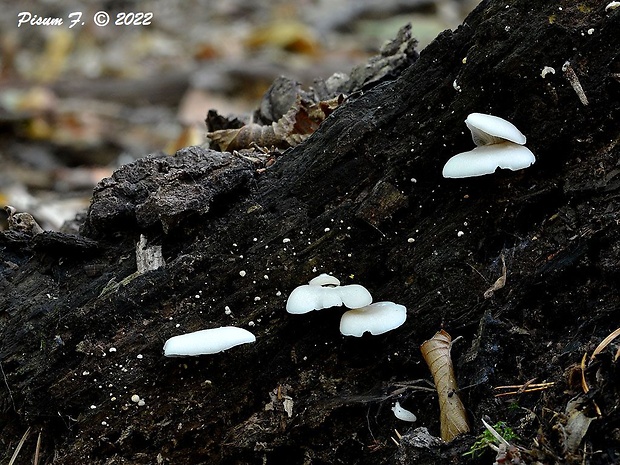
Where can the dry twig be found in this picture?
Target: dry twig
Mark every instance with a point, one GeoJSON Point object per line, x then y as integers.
{"type": "Point", "coordinates": [528, 386]}
{"type": "Point", "coordinates": [398, 435]}
{"type": "Point", "coordinates": [19, 446]}
{"type": "Point", "coordinates": [569, 72]}
{"type": "Point", "coordinates": [604, 343]}
{"type": "Point", "coordinates": [584, 383]}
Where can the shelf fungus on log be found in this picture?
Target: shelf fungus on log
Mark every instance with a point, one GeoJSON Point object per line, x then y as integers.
{"type": "Point", "coordinates": [325, 291]}
{"type": "Point", "coordinates": [207, 341]}
{"type": "Point", "coordinates": [499, 144]}
{"type": "Point", "coordinates": [436, 353]}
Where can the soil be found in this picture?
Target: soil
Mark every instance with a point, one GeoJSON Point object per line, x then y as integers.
{"type": "Point", "coordinates": [363, 199]}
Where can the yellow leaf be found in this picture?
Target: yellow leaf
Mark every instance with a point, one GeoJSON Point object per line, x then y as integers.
{"type": "Point", "coordinates": [189, 136]}
{"type": "Point", "coordinates": [57, 50]}
{"type": "Point", "coordinates": [287, 35]}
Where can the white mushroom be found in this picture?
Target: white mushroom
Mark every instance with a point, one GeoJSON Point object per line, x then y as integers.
{"type": "Point", "coordinates": [207, 341]}
{"type": "Point", "coordinates": [324, 292]}
{"type": "Point", "coordinates": [499, 145]}
{"type": "Point", "coordinates": [489, 129]}
{"type": "Point", "coordinates": [612, 6]}
{"type": "Point", "coordinates": [354, 296]}
{"type": "Point", "coordinates": [487, 158]}
{"type": "Point", "coordinates": [324, 280]}
{"type": "Point", "coordinates": [306, 298]}
{"type": "Point", "coordinates": [377, 318]}
{"type": "Point", "coordinates": [546, 70]}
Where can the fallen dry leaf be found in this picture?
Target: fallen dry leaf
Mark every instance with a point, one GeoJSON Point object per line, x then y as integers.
{"type": "Point", "coordinates": [436, 353]}
{"type": "Point", "coordinates": [295, 126]}
{"type": "Point", "coordinates": [573, 424]}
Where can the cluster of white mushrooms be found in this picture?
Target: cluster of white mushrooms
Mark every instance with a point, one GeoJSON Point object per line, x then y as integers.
{"type": "Point", "coordinates": [499, 144]}
{"type": "Point", "coordinates": [325, 291]}
{"type": "Point", "coordinates": [322, 292]}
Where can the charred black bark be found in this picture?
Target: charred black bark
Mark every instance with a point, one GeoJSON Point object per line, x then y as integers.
{"type": "Point", "coordinates": [362, 199]}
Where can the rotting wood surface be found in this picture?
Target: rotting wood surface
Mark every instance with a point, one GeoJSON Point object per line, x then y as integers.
{"type": "Point", "coordinates": [555, 223]}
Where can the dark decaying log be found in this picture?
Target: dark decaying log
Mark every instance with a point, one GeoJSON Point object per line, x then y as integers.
{"type": "Point", "coordinates": [363, 199]}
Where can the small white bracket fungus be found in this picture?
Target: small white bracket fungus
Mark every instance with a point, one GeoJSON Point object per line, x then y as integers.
{"type": "Point", "coordinates": [403, 414]}
{"type": "Point", "coordinates": [487, 158]}
{"type": "Point", "coordinates": [207, 341]}
{"type": "Point", "coordinates": [354, 296]}
{"type": "Point", "coordinates": [324, 292]}
{"type": "Point", "coordinates": [377, 318]}
{"type": "Point", "coordinates": [489, 129]}
{"type": "Point", "coordinates": [306, 298]}
{"type": "Point", "coordinates": [324, 280]}
{"type": "Point", "coordinates": [499, 145]}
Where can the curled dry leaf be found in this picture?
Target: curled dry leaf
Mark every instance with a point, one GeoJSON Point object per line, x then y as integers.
{"type": "Point", "coordinates": [573, 424]}
{"type": "Point", "coordinates": [294, 127]}
{"type": "Point", "coordinates": [436, 353]}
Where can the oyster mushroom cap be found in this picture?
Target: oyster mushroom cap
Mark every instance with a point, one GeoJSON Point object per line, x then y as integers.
{"type": "Point", "coordinates": [377, 318]}
{"type": "Point", "coordinates": [488, 129]}
{"type": "Point", "coordinates": [402, 413]}
{"type": "Point", "coordinates": [354, 296]}
{"type": "Point", "coordinates": [207, 341]}
{"type": "Point", "coordinates": [486, 159]}
{"type": "Point", "coordinates": [324, 279]}
{"type": "Point", "coordinates": [310, 297]}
